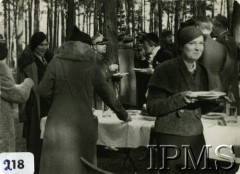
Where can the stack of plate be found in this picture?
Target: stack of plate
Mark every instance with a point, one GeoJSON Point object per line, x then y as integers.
{"type": "Point", "coordinates": [206, 95]}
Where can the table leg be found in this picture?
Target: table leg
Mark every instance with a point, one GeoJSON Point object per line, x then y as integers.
{"type": "Point", "coordinates": [127, 152]}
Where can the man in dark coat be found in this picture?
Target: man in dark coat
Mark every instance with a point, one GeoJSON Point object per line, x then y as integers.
{"type": "Point", "coordinates": [155, 55]}
{"type": "Point", "coordinates": [71, 128]}
{"type": "Point", "coordinates": [230, 76]}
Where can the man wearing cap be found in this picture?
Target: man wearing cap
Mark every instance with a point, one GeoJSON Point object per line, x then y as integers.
{"type": "Point", "coordinates": [32, 64]}
{"type": "Point", "coordinates": [107, 69]}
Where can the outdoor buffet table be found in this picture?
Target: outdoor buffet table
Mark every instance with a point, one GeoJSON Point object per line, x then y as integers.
{"type": "Point", "coordinates": [114, 132]}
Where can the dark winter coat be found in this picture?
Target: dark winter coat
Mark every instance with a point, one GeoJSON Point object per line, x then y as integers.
{"type": "Point", "coordinates": [71, 128]}
{"type": "Point", "coordinates": [165, 99]}
{"type": "Point", "coordinates": [35, 107]}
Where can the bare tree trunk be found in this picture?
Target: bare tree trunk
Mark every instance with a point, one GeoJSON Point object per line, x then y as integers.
{"type": "Point", "coordinates": [127, 9]}
{"type": "Point", "coordinates": [221, 6]}
{"type": "Point", "coordinates": [9, 34]}
{"type": "Point", "coordinates": [133, 19]}
{"type": "Point", "coordinates": [20, 23]}
{"type": "Point", "coordinates": [160, 14]}
{"type": "Point", "coordinates": [63, 24]}
{"type": "Point", "coordinates": [55, 25]}
{"type": "Point", "coordinates": [36, 15]}
{"type": "Point", "coordinates": [194, 8]}
{"type": "Point", "coordinates": [26, 27]}
{"type": "Point", "coordinates": [84, 20]}
{"type": "Point", "coordinates": [101, 18]}
{"type": "Point", "coordinates": [229, 14]}
{"type": "Point", "coordinates": [110, 23]}
{"type": "Point", "coordinates": [156, 18]}
{"type": "Point", "coordinates": [97, 15]}
{"type": "Point", "coordinates": [5, 19]}
{"type": "Point", "coordinates": [213, 14]}
{"type": "Point", "coordinates": [152, 4]}
{"type": "Point", "coordinates": [144, 14]}
{"type": "Point", "coordinates": [201, 9]}
{"type": "Point", "coordinates": [30, 2]}
{"type": "Point", "coordinates": [70, 18]}
{"type": "Point", "coordinates": [50, 6]}
{"type": "Point", "coordinates": [176, 18]}
{"type": "Point", "coordinates": [236, 22]}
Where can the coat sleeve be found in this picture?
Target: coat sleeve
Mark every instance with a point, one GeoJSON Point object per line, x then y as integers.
{"type": "Point", "coordinates": [18, 93]}
{"type": "Point", "coordinates": [107, 94]}
{"type": "Point", "coordinates": [159, 103]}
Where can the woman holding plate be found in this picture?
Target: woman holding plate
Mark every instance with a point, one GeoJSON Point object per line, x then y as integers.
{"type": "Point", "coordinates": [170, 98]}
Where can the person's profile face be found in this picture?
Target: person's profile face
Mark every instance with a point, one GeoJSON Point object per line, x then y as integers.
{"type": "Point", "coordinates": [168, 39]}
{"type": "Point", "coordinates": [216, 29]}
{"type": "Point", "coordinates": [101, 48]}
{"type": "Point", "coordinates": [148, 49]}
{"type": "Point", "coordinates": [192, 50]}
{"type": "Point", "coordinates": [42, 48]}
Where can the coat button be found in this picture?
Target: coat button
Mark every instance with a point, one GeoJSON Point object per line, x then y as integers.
{"type": "Point", "coordinates": [181, 111]}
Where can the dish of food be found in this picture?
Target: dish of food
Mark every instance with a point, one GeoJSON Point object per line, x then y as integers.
{"type": "Point", "coordinates": [214, 115]}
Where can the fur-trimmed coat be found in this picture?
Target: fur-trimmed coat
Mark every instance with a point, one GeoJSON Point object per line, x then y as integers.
{"type": "Point", "coordinates": [10, 94]}
{"type": "Point", "coordinates": [71, 128]}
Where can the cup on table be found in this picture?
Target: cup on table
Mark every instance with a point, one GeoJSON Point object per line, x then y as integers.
{"type": "Point", "coordinates": [232, 116]}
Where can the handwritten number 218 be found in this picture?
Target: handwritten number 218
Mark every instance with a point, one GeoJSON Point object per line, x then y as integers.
{"type": "Point", "coordinates": [19, 165]}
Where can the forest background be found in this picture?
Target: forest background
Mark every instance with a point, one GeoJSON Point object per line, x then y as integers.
{"type": "Point", "coordinates": [113, 18]}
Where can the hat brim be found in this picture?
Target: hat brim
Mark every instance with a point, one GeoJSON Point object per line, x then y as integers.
{"type": "Point", "coordinates": [102, 42]}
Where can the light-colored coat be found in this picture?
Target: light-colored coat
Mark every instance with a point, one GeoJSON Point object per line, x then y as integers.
{"type": "Point", "coordinates": [10, 94]}
{"type": "Point", "coordinates": [71, 128]}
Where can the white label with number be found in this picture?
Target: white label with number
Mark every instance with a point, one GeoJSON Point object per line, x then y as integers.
{"type": "Point", "coordinates": [16, 163]}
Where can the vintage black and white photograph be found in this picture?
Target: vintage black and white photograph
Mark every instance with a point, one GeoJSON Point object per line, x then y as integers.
{"type": "Point", "coordinates": [119, 86]}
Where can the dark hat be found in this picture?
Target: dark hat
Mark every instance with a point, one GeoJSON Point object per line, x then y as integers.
{"type": "Point", "coordinates": [78, 35]}
{"type": "Point", "coordinates": [189, 22]}
{"type": "Point", "coordinates": [3, 52]}
{"type": "Point", "coordinates": [151, 37]}
{"type": "Point", "coordinates": [166, 33]}
{"type": "Point", "coordinates": [220, 19]}
{"type": "Point", "coordinates": [188, 34]}
{"type": "Point", "coordinates": [98, 39]}
{"type": "Point", "coordinates": [36, 39]}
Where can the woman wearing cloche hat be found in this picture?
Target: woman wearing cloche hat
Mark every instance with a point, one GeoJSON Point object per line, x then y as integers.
{"type": "Point", "coordinates": [32, 63]}
{"type": "Point", "coordinates": [169, 98]}
{"type": "Point", "coordinates": [71, 129]}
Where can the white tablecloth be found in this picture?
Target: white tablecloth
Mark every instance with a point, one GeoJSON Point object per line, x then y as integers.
{"type": "Point", "coordinates": [114, 132]}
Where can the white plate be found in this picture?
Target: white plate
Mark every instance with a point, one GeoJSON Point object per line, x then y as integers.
{"type": "Point", "coordinates": [207, 94]}
{"type": "Point", "coordinates": [149, 118]}
{"type": "Point", "coordinates": [120, 74]}
{"type": "Point", "coordinates": [214, 115]}
{"type": "Point", "coordinates": [137, 69]}
{"type": "Point", "coordinates": [133, 112]}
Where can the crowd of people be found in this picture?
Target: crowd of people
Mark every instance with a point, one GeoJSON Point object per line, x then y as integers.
{"type": "Point", "coordinates": [67, 86]}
